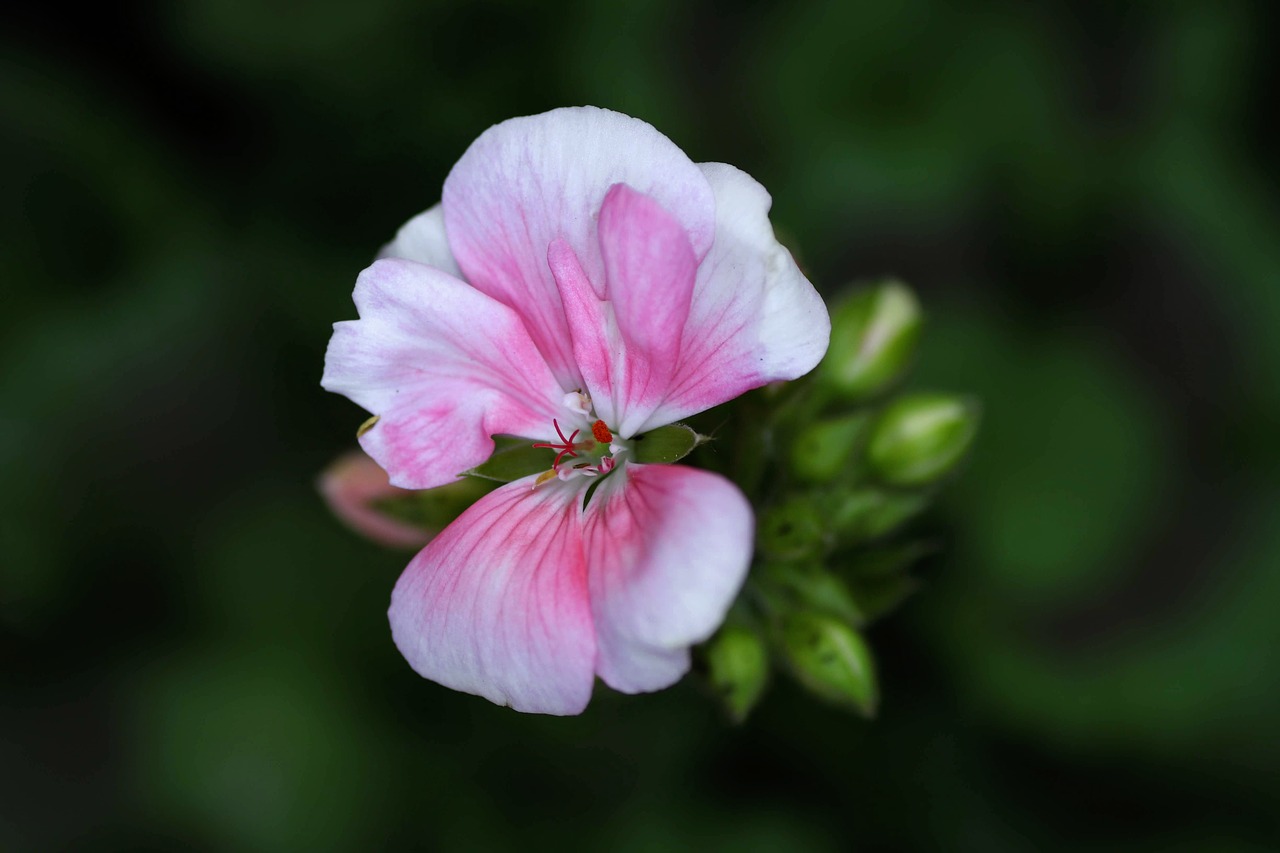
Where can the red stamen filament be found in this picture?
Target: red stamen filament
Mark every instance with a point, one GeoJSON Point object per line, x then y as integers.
{"type": "Point", "coordinates": [565, 448]}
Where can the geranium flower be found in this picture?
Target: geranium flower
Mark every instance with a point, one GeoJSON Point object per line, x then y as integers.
{"type": "Point", "coordinates": [581, 283]}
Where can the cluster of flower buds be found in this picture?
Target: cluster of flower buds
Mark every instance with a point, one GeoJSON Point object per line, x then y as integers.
{"type": "Point", "coordinates": [841, 462]}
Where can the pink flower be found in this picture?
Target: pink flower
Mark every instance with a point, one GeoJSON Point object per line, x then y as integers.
{"type": "Point", "coordinates": [582, 282]}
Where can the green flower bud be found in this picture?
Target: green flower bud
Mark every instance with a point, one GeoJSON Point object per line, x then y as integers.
{"type": "Point", "coordinates": [830, 659]}
{"type": "Point", "coordinates": [862, 515]}
{"type": "Point", "coordinates": [873, 340]}
{"type": "Point", "coordinates": [738, 669]}
{"type": "Point", "coordinates": [921, 437]}
{"type": "Point", "coordinates": [878, 597]}
{"type": "Point", "coordinates": [792, 530]}
{"type": "Point", "coordinates": [807, 586]}
{"type": "Point", "coordinates": [826, 449]}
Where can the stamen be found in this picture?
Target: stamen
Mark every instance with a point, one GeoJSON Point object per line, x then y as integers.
{"type": "Point", "coordinates": [565, 448]}
{"type": "Point", "coordinates": [601, 432]}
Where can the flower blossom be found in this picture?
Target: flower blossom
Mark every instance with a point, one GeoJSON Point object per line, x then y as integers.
{"type": "Point", "coordinates": [581, 282]}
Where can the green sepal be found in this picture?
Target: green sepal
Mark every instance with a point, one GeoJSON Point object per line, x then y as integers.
{"type": "Point", "coordinates": [737, 668]}
{"type": "Point", "coordinates": [830, 659]}
{"type": "Point", "coordinates": [665, 445]}
{"type": "Point", "coordinates": [513, 458]}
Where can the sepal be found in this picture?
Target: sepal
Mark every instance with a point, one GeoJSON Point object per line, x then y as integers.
{"type": "Point", "coordinates": [513, 458]}
{"type": "Point", "coordinates": [665, 445]}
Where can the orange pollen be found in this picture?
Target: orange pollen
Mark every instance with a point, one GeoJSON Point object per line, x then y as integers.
{"type": "Point", "coordinates": [601, 432]}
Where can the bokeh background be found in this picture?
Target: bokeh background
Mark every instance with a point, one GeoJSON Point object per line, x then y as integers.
{"type": "Point", "coordinates": [194, 655]}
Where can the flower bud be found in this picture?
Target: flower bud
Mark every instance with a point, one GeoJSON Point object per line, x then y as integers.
{"type": "Point", "coordinates": [830, 659]}
{"type": "Point", "coordinates": [792, 530]}
{"type": "Point", "coordinates": [826, 449]}
{"type": "Point", "coordinates": [862, 515]}
{"type": "Point", "coordinates": [359, 494]}
{"type": "Point", "coordinates": [738, 668]}
{"type": "Point", "coordinates": [921, 437]}
{"type": "Point", "coordinates": [807, 586]}
{"type": "Point", "coordinates": [873, 340]}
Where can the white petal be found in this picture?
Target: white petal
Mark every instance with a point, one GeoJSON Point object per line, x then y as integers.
{"type": "Point", "coordinates": [444, 367]}
{"type": "Point", "coordinates": [422, 239]}
{"type": "Point", "coordinates": [755, 318]}
{"type": "Point", "coordinates": [528, 181]}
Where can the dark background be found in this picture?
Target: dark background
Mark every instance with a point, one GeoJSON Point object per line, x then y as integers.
{"type": "Point", "coordinates": [194, 655]}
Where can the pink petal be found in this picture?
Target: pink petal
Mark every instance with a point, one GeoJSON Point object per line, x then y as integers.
{"type": "Point", "coordinates": [351, 486]}
{"type": "Point", "coordinates": [444, 366]}
{"type": "Point", "coordinates": [649, 268]}
{"type": "Point", "coordinates": [497, 605]}
{"type": "Point", "coordinates": [422, 239]}
{"type": "Point", "coordinates": [529, 180]}
{"type": "Point", "coordinates": [627, 344]}
{"type": "Point", "coordinates": [754, 318]}
{"type": "Point", "coordinates": [668, 548]}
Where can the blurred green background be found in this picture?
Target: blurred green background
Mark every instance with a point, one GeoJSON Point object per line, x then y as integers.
{"type": "Point", "coordinates": [194, 655]}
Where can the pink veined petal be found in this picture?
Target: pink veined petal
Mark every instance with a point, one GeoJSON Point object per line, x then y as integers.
{"type": "Point", "coordinates": [650, 268]}
{"type": "Point", "coordinates": [497, 604]}
{"type": "Point", "coordinates": [444, 366]}
{"type": "Point", "coordinates": [627, 344]}
{"type": "Point", "coordinates": [422, 239]}
{"type": "Point", "coordinates": [527, 181]}
{"type": "Point", "coordinates": [592, 329]}
{"type": "Point", "coordinates": [668, 548]}
{"type": "Point", "coordinates": [754, 317]}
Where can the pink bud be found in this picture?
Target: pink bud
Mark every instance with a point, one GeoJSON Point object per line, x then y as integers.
{"type": "Point", "coordinates": [352, 485]}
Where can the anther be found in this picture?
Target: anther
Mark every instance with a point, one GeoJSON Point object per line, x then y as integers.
{"type": "Point", "coordinates": [601, 432]}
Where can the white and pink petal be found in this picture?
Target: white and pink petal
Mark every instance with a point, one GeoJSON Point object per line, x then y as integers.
{"type": "Point", "coordinates": [423, 239]}
{"type": "Point", "coordinates": [530, 181]}
{"type": "Point", "coordinates": [497, 605]}
{"type": "Point", "coordinates": [754, 317]}
{"type": "Point", "coordinates": [443, 366]}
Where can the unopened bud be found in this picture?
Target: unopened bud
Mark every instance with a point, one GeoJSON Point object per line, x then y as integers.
{"type": "Point", "coordinates": [919, 438]}
{"type": "Point", "coordinates": [738, 668]}
{"type": "Point", "coordinates": [873, 340]}
{"type": "Point", "coordinates": [862, 515]}
{"type": "Point", "coordinates": [807, 586]}
{"type": "Point", "coordinates": [826, 449]}
{"type": "Point", "coordinates": [791, 530]}
{"type": "Point", "coordinates": [359, 494]}
{"type": "Point", "coordinates": [830, 659]}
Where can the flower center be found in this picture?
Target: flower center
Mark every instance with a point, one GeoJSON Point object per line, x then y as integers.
{"type": "Point", "coordinates": [596, 452]}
